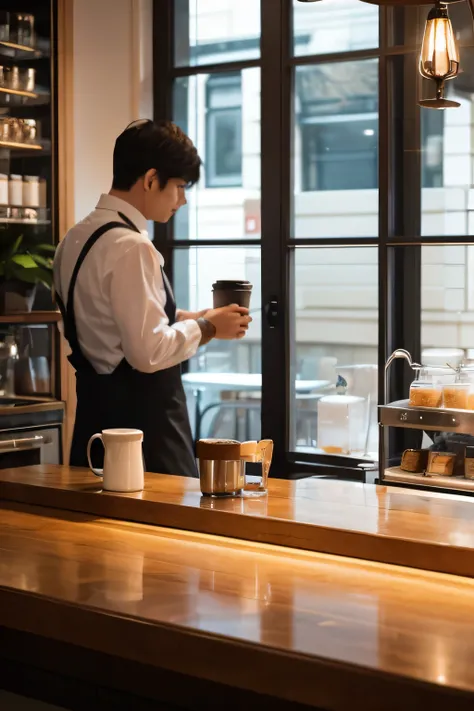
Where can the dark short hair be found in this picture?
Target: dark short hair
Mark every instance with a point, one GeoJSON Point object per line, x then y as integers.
{"type": "Point", "coordinates": [154, 144]}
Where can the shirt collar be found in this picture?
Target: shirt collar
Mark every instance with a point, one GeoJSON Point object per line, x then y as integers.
{"type": "Point", "coordinates": [110, 202]}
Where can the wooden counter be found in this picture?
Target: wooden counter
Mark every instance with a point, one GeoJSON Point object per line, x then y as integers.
{"type": "Point", "coordinates": [299, 627]}
{"type": "Point", "coordinates": [423, 530]}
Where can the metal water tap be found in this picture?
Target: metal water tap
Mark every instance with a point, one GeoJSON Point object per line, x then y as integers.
{"type": "Point", "coordinates": [399, 353]}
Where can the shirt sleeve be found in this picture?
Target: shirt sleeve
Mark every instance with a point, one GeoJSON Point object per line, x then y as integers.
{"type": "Point", "coordinates": [138, 299]}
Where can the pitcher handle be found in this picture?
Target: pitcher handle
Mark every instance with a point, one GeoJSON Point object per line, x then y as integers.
{"type": "Point", "coordinates": [97, 472]}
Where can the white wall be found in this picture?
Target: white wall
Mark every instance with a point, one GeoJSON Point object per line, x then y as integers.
{"type": "Point", "coordinates": [112, 86]}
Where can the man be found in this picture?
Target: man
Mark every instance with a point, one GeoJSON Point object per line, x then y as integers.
{"type": "Point", "coordinates": [126, 337]}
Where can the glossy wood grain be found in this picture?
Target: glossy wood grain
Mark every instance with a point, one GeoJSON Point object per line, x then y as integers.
{"type": "Point", "coordinates": [305, 627]}
{"type": "Point", "coordinates": [383, 524]}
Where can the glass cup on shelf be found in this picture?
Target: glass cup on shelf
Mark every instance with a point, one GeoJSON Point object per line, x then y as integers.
{"type": "Point", "coordinates": [4, 129]}
{"type": "Point", "coordinates": [27, 79]}
{"type": "Point", "coordinates": [11, 77]}
{"type": "Point", "coordinates": [30, 130]}
{"type": "Point", "coordinates": [13, 131]}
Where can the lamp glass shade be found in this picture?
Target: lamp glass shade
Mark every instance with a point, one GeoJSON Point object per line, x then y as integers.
{"type": "Point", "coordinates": [439, 58]}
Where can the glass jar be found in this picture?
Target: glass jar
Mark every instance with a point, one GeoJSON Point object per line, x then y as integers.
{"type": "Point", "coordinates": [11, 78]}
{"type": "Point", "coordinates": [466, 375]}
{"type": "Point", "coordinates": [27, 79]}
{"type": "Point", "coordinates": [30, 129]}
{"type": "Point", "coordinates": [31, 191]}
{"type": "Point", "coordinates": [15, 190]}
{"type": "Point", "coordinates": [3, 189]}
{"type": "Point", "coordinates": [16, 130]}
{"type": "Point", "coordinates": [427, 388]}
{"type": "Point", "coordinates": [456, 396]}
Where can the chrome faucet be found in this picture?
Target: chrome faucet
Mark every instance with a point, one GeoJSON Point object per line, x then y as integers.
{"type": "Point", "coordinates": [399, 353]}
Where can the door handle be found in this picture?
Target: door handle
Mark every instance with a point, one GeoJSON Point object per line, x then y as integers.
{"type": "Point", "coordinates": [272, 313]}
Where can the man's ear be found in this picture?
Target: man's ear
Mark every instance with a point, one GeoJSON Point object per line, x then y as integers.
{"type": "Point", "coordinates": [149, 178]}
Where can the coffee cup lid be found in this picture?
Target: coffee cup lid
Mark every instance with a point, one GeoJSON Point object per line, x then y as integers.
{"type": "Point", "coordinates": [241, 284]}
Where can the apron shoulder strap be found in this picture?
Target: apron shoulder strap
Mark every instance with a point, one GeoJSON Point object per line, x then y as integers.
{"type": "Point", "coordinates": [77, 358]}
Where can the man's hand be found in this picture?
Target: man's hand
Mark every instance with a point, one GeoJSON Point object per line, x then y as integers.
{"type": "Point", "coordinates": [229, 321]}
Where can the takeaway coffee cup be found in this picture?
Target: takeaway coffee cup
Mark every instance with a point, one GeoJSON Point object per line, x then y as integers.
{"type": "Point", "coordinates": [227, 292]}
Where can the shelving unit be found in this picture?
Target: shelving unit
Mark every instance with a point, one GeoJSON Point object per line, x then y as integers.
{"type": "Point", "coordinates": [400, 414]}
{"type": "Point", "coordinates": [37, 157]}
{"type": "Point", "coordinates": [398, 476]}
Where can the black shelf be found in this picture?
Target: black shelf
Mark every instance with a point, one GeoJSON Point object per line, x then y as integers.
{"type": "Point", "coordinates": [18, 97]}
{"type": "Point", "coordinates": [42, 146]}
{"type": "Point", "coordinates": [19, 146]}
{"type": "Point", "coordinates": [22, 221]}
{"type": "Point", "coordinates": [20, 52]}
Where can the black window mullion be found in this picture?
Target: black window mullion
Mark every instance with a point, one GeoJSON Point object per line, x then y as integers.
{"type": "Point", "coordinates": [275, 207]}
{"type": "Point", "coordinates": [407, 279]}
{"type": "Point", "coordinates": [386, 180]}
{"type": "Point", "coordinates": [163, 52]}
{"type": "Point", "coordinates": [404, 261]}
{"type": "Point", "coordinates": [400, 206]}
{"type": "Point", "coordinates": [221, 68]}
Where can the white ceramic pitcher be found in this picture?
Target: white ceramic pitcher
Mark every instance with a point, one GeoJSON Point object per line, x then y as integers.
{"type": "Point", "coordinates": [123, 461]}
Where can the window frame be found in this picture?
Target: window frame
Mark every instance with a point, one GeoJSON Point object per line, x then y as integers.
{"type": "Point", "coordinates": [399, 183]}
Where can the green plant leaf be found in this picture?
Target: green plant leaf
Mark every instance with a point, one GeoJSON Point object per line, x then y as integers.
{"type": "Point", "coordinates": [45, 277]}
{"type": "Point", "coordinates": [24, 260]}
{"type": "Point", "coordinates": [32, 276]}
{"type": "Point", "coordinates": [45, 262]}
{"type": "Point", "coordinates": [46, 248]}
{"type": "Point", "coordinates": [15, 246]}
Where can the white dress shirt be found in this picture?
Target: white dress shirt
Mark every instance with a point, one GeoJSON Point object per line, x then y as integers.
{"type": "Point", "coordinates": [119, 297]}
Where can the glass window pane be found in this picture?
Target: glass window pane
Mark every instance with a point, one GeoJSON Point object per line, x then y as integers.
{"type": "Point", "coordinates": [216, 31]}
{"type": "Point", "coordinates": [335, 367]}
{"type": "Point", "coordinates": [447, 298]}
{"type": "Point", "coordinates": [221, 114]}
{"type": "Point", "coordinates": [336, 150]}
{"type": "Point", "coordinates": [334, 26]}
{"type": "Point", "coordinates": [447, 166]}
{"type": "Point", "coordinates": [224, 382]}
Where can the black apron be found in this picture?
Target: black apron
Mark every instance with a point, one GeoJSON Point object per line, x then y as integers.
{"type": "Point", "coordinates": [152, 402]}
